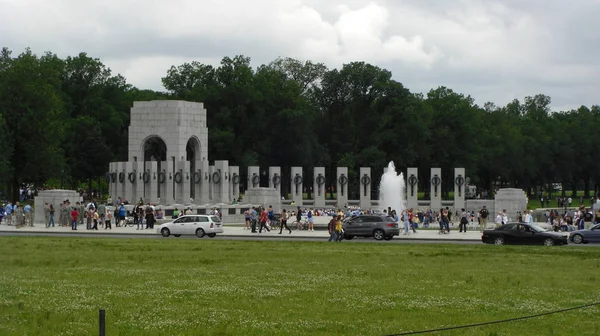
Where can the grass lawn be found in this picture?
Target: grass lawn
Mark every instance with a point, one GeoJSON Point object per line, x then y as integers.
{"type": "Point", "coordinates": [55, 286]}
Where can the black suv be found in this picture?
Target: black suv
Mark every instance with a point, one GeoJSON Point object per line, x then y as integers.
{"type": "Point", "coordinates": [376, 226]}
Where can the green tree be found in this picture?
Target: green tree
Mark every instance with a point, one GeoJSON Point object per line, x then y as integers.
{"type": "Point", "coordinates": [33, 113]}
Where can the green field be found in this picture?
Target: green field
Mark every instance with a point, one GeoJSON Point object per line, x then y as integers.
{"type": "Point", "coordinates": [55, 286]}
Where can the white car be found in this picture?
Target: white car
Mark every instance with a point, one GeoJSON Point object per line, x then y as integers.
{"type": "Point", "coordinates": [198, 225]}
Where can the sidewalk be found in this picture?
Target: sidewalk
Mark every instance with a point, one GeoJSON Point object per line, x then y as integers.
{"type": "Point", "coordinates": [237, 230]}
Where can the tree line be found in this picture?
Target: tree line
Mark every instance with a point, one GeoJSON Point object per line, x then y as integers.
{"type": "Point", "coordinates": [63, 120]}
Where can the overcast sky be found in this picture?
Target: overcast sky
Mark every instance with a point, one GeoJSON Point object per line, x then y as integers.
{"type": "Point", "coordinates": [492, 50]}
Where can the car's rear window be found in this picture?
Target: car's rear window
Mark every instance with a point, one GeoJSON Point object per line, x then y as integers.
{"type": "Point", "coordinates": [215, 219]}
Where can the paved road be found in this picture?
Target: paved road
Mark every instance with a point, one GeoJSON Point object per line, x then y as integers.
{"type": "Point", "coordinates": [236, 238]}
{"type": "Point", "coordinates": [252, 238]}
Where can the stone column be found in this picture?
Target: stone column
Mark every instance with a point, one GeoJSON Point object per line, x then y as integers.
{"type": "Point", "coordinates": [412, 187]}
{"type": "Point", "coordinates": [212, 191]}
{"type": "Point", "coordinates": [196, 178]}
{"type": "Point", "coordinates": [275, 178]}
{"type": "Point", "coordinates": [152, 185]}
{"type": "Point", "coordinates": [204, 185]}
{"type": "Point", "coordinates": [166, 192]}
{"type": "Point", "coordinates": [436, 189]}
{"type": "Point", "coordinates": [181, 194]}
{"type": "Point", "coordinates": [138, 167]}
{"type": "Point", "coordinates": [319, 187]}
{"type": "Point", "coordinates": [365, 188]}
{"type": "Point", "coordinates": [234, 178]}
{"type": "Point", "coordinates": [342, 186]}
{"type": "Point", "coordinates": [221, 182]}
{"type": "Point", "coordinates": [122, 186]}
{"type": "Point", "coordinates": [297, 184]}
{"type": "Point", "coordinates": [253, 177]}
{"type": "Point", "coordinates": [130, 187]}
{"type": "Point", "coordinates": [459, 189]}
{"type": "Point", "coordinates": [112, 170]}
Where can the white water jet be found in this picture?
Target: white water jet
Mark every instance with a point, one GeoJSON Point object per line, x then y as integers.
{"type": "Point", "coordinates": [392, 190]}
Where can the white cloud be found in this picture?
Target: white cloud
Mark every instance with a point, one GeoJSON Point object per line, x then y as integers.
{"type": "Point", "coordinates": [491, 49]}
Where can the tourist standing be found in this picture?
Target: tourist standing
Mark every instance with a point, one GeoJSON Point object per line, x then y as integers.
{"type": "Point", "coordinates": [483, 215]}
{"type": "Point", "coordinates": [311, 221]}
{"type": "Point", "coordinates": [74, 218]}
{"type": "Point", "coordinates": [338, 229]}
{"type": "Point", "coordinates": [331, 228]}
{"type": "Point", "coordinates": [247, 219]}
{"type": "Point", "coordinates": [254, 218]}
{"type": "Point", "coordinates": [462, 227]}
{"type": "Point", "coordinates": [95, 218]}
{"type": "Point", "coordinates": [51, 215]}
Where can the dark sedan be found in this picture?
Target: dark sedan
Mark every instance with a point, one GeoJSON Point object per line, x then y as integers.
{"type": "Point", "coordinates": [523, 234]}
{"type": "Point", "coordinates": [377, 226]}
{"type": "Point", "coordinates": [591, 235]}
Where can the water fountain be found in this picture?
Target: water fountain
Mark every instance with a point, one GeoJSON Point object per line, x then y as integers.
{"type": "Point", "coordinates": [391, 190]}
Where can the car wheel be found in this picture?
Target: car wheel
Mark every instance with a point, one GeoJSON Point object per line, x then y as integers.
{"type": "Point", "coordinates": [378, 234]}
{"type": "Point", "coordinates": [548, 241]}
{"type": "Point", "coordinates": [348, 237]}
{"type": "Point", "coordinates": [177, 235]}
{"type": "Point", "coordinates": [165, 232]}
{"type": "Point", "coordinates": [212, 235]}
{"type": "Point", "coordinates": [499, 241]}
{"type": "Point", "coordinates": [578, 239]}
{"type": "Point", "coordinates": [200, 233]}
{"type": "Point", "coordinates": [388, 237]}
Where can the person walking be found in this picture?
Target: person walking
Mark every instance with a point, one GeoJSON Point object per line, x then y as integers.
{"type": "Point", "coordinates": [284, 218]}
{"type": "Point", "coordinates": [263, 220]}
{"type": "Point", "coordinates": [331, 227]}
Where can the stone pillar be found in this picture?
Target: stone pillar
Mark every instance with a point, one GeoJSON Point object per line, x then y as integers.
{"type": "Point", "coordinates": [234, 178]}
{"type": "Point", "coordinates": [297, 184]}
{"type": "Point", "coordinates": [112, 170]}
{"type": "Point", "coordinates": [221, 183]}
{"type": "Point", "coordinates": [275, 178]}
{"type": "Point", "coordinates": [166, 191]}
{"type": "Point", "coordinates": [319, 187]}
{"type": "Point", "coordinates": [138, 168]}
{"type": "Point", "coordinates": [130, 187]}
{"type": "Point", "coordinates": [122, 181]}
{"type": "Point", "coordinates": [365, 188]}
{"type": "Point", "coordinates": [253, 177]}
{"type": "Point", "coordinates": [212, 191]}
{"type": "Point", "coordinates": [342, 186]}
{"type": "Point", "coordinates": [151, 194]}
{"type": "Point", "coordinates": [412, 187]}
{"type": "Point", "coordinates": [204, 185]}
{"type": "Point", "coordinates": [196, 178]}
{"type": "Point", "coordinates": [459, 189]}
{"type": "Point", "coordinates": [182, 186]}
{"type": "Point", "coordinates": [436, 189]}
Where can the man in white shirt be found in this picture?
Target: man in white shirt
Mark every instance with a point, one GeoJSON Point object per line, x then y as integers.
{"type": "Point", "coordinates": [528, 218]}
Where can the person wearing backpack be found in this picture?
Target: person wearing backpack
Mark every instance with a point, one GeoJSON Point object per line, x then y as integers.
{"type": "Point", "coordinates": [483, 215]}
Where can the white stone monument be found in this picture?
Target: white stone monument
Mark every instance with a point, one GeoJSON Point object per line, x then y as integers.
{"type": "Point", "coordinates": [436, 189]}
{"type": "Point", "coordinates": [412, 187]}
{"type": "Point", "coordinates": [342, 186]}
{"type": "Point", "coordinates": [365, 188]}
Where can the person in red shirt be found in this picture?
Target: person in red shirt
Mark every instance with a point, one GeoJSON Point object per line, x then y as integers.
{"type": "Point", "coordinates": [74, 217]}
{"type": "Point", "coordinates": [263, 220]}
